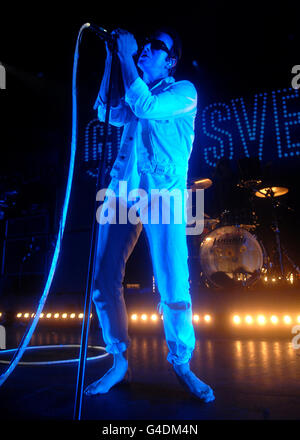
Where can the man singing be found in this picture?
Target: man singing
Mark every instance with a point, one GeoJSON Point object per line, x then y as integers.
{"type": "Point", "coordinates": [158, 116]}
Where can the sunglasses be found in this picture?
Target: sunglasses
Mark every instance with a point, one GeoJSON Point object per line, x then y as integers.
{"type": "Point", "coordinates": [156, 45]}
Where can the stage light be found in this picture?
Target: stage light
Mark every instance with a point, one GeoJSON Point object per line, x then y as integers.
{"type": "Point", "coordinates": [154, 317]}
{"type": "Point", "coordinates": [26, 315]}
{"type": "Point", "coordinates": [274, 319]}
{"type": "Point", "coordinates": [236, 319]}
{"type": "Point", "coordinates": [48, 315]}
{"type": "Point", "coordinates": [64, 315]}
{"type": "Point", "coordinates": [287, 319]}
{"type": "Point", "coordinates": [19, 315]}
{"type": "Point", "coordinates": [249, 319]}
{"type": "Point", "coordinates": [56, 315]}
{"type": "Point", "coordinates": [207, 318]}
{"type": "Point", "coordinates": [134, 317]}
{"type": "Point", "coordinates": [144, 317]}
{"type": "Point", "coordinates": [298, 318]}
{"type": "Point", "coordinates": [196, 318]}
{"type": "Point", "coordinates": [72, 316]}
{"type": "Point", "coordinates": [261, 319]}
{"type": "Point", "coordinates": [42, 315]}
{"type": "Point", "coordinates": [80, 316]}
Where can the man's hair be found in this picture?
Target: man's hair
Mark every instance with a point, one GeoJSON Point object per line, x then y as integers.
{"type": "Point", "coordinates": [176, 49]}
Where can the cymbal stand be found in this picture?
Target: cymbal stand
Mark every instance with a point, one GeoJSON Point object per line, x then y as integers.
{"type": "Point", "coordinates": [280, 249]}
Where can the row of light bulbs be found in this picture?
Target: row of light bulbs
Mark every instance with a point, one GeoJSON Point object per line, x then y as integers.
{"type": "Point", "coordinates": [154, 317]}
{"type": "Point", "coordinates": [263, 320]}
{"type": "Point", "coordinates": [143, 317]}
{"type": "Point", "coordinates": [236, 319]}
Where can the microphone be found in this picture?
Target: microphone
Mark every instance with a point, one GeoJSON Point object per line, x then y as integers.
{"type": "Point", "coordinates": [101, 32]}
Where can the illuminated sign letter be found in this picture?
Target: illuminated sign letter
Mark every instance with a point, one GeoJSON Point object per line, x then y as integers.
{"type": "Point", "coordinates": [223, 143]}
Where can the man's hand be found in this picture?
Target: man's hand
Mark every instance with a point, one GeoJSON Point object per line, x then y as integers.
{"type": "Point", "coordinates": [127, 45]}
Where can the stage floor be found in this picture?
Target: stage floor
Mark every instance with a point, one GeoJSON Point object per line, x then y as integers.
{"type": "Point", "coordinates": [254, 378]}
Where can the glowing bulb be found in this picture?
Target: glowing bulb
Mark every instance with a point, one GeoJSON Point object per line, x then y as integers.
{"type": "Point", "coordinates": [48, 315]}
{"type": "Point", "coordinates": [261, 320]}
{"type": "Point", "coordinates": [154, 317]}
{"type": "Point", "coordinates": [249, 319]}
{"type": "Point", "coordinates": [26, 315]}
{"type": "Point", "coordinates": [56, 315]}
{"type": "Point", "coordinates": [72, 316]}
{"type": "Point", "coordinates": [287, 319]}
{"type": "Point", "coordinates": [207, 318]}
{"type": "Point", "coordinates": [196, 318]}
{"type": "Point", "coordinates": [80, 316]}
{"type": "Point", "coordinates": [236, 319]}
{"type": "Point", "coordinates": [144, 317]}
{"type": "Point", "coordinates": [134, 317]}
{"type": "Point", "coordinates": [298, 319]}
{"type": "Point", "coordinates": [274, 319]}
{"type": "Point", "coordinates": [64, 315]}
{"type": "Point", "coordinates": [42, 315]}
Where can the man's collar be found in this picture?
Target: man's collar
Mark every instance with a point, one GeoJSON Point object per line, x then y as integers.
{"type": "Point", "coordinates": [163, 81]}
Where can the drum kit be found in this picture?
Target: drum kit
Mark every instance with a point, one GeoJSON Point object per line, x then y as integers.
{"type": "Point", "coordinates": [229, 250]}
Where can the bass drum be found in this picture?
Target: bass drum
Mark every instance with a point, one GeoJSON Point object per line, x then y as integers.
{"type": "Point", "coordinates": [231, 256]}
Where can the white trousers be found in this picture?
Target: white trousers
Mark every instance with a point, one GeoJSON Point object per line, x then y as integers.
{"type": "Point", "coordinates": [169, 254]}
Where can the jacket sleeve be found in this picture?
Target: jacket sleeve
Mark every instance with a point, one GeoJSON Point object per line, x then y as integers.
{"type": "Point", "coordinates": [178, 99]}
{"type": "Point", "coordinates": [119, 115]}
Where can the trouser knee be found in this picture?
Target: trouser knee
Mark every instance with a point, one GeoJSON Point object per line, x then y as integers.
{"type": "Point", "coordinates": [180, 305]}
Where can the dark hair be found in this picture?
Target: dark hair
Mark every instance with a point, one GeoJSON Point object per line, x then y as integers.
{"type": "Point", "coordinates": [176, 49]}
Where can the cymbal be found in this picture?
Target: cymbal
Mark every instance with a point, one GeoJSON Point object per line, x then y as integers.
{"type": "Point", "coordinates": [201, 184]}
{"type": "Point", "coordinates": [272, 191]}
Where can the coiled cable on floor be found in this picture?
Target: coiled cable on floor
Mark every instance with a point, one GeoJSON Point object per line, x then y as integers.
{"type": "Point", "coordinates": [55, 362]}
{"type": "Point", "coordinates": [32, 325]}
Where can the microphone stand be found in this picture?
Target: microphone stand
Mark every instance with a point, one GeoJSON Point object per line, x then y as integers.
{"type": "Point", "coordinates": [94, 239]}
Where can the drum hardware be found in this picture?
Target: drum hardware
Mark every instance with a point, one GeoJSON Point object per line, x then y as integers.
{"type": "Point", "coordinates": [241, 217]}
{"type": "Point", "coordinates": [271, 193]}
{"type": "Point", "coordinates": [250, 184]}
{"type": "Point", "coordinates": [230, 253]}
{"type": "Point", "coordinates": [297, 268]}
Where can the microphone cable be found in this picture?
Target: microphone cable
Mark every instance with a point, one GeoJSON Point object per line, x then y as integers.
{"type": "Point", "coordinates": [32, 325]}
